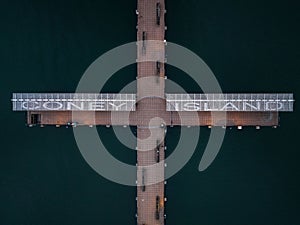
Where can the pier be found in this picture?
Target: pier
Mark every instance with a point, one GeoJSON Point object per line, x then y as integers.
{"type": "Point", "coordinates": [152, 111]}
{"type": "Point", "coordinates": [150, 106]}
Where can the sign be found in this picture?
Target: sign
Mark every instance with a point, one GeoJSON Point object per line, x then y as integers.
{"type": "Point", "coordinates": [73, 102]}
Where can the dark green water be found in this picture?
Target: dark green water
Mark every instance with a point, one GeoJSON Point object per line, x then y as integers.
{"type": "Point", "coordinates": [252, 46]}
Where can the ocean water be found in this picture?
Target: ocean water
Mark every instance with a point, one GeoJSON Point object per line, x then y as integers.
{"type": "Point", "coordinates": [251, 46]}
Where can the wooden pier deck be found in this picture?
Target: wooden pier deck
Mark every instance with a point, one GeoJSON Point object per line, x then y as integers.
{"type": "Point", "coordinates": [150, 103]}
{"type": "Point", "coordinates": [88, 118]}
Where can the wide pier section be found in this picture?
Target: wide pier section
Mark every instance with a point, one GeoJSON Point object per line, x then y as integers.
{"type": "Point", "coordinates": [150, 104]}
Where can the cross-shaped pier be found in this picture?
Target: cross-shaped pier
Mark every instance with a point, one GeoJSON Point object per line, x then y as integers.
{"type": "Point", "coordinates": [152, 110]}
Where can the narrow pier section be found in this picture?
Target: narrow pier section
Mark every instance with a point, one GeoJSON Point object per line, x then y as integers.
{"type": "Point", "coordinates": [150, 105]}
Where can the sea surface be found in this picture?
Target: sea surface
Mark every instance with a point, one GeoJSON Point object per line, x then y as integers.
{"type": "Point", "coordinates": [251, 46]}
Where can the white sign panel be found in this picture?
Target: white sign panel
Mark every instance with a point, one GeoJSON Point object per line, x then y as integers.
{"type": "Point", "coordinates": [230, 102]}
{"type": "Point", "coordinates": [73, 102]}
{"type": "Point", "coordinates": [175, 102]}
